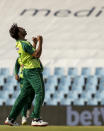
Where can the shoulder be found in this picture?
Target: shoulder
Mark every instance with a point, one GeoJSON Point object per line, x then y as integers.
{"type": "Point", "coordinates": [27, 47]}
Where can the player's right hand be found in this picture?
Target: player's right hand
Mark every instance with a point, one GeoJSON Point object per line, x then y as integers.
{"type": "Point", "coordinates": [40, 38]}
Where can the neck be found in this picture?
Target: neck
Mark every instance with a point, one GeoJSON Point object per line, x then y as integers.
{"type": "Point", "coordinates": [21, 39]}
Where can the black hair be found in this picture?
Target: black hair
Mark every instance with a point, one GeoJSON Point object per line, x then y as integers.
{"type": "Point", "coordinates": [14, 31]}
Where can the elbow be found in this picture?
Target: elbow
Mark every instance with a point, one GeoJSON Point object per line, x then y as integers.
{"type": "Point", "coordinates": [37, 56]}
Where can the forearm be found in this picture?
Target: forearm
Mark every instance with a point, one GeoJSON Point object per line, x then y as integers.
{"type": "Point", "coordinates": [34, 39]}
{"type": "Point", "coordinates": [34, 45]}
{"type": "Point", "coordinates": [38, 51]}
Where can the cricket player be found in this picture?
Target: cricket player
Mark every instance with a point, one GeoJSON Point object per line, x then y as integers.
{"type": "Point", "coordinates": [32, 77]}
{"type": "Point", "coordinates": [19, 77]}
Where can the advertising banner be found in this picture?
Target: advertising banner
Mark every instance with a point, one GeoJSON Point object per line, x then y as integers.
{"type": "Point", "coordinates": [85, 116]}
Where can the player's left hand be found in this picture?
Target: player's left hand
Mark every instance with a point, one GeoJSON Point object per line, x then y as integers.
{"type": "Point", "coordinates": [34, 39]}
{"type": "Point", "coordinates": [17, 77]}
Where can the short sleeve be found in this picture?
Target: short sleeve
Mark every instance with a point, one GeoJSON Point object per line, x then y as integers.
{"type": "Point", "coordinates": [28, 48]}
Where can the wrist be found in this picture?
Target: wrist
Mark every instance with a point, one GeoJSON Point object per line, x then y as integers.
{"type": "Point", "coordinates": [35, 43]}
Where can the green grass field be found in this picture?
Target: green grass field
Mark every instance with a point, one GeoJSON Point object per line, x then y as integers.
{"type": "Point", "coordinates": [51, 128]}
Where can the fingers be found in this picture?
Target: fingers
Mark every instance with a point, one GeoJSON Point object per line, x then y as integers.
{"type": "Point", "coordinates": [38, 38]}
{"type": "Point", "coordinates": [34, 39]}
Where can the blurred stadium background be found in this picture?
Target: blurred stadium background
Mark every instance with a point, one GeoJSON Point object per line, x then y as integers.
{"type": "Point", "coordinates": [73, 54]}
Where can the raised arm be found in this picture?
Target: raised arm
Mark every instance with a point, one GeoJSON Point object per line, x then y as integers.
{"type": "Point", "coordinates": [31, 49]}
{"type": "Point", "coordinates": [38, 51]}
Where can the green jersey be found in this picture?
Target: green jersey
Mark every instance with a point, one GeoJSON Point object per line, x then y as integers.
{"type": "Point", "coordinates": [25, 51]}
{"type": "Point", "coordinates": [19, 67]}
